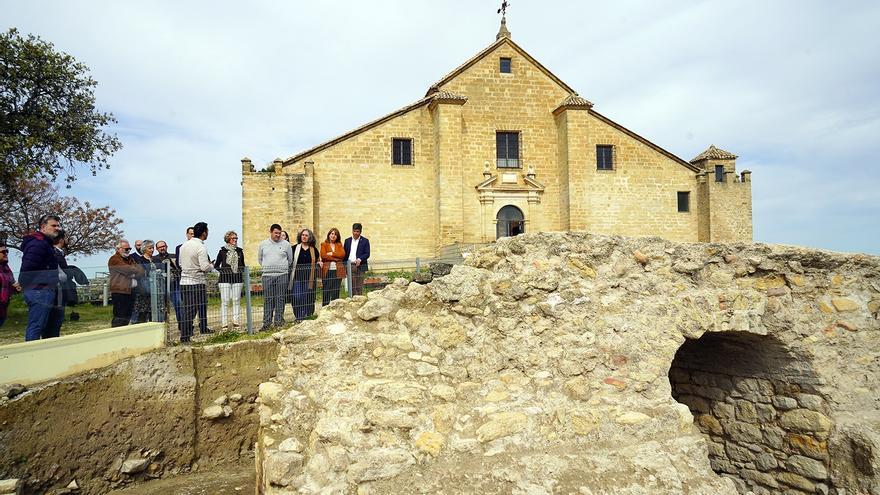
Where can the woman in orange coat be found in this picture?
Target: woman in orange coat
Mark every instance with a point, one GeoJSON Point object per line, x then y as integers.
{"type": "Point", "coordinates": [333, 256]}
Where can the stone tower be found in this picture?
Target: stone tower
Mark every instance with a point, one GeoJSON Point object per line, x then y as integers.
{"type": "Point", "coordinates": [724, 199]}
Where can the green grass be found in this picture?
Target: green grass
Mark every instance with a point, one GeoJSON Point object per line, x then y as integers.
{"type": "Point", "coordinates": [227, 337]}
{"type": "Point", "coordinates": [98, 317]}
{"type": "Point", "coordinates": [91, 318]}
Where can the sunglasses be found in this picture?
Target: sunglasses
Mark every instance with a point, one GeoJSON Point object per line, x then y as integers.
{"type": "Point", "coordinates": [127, 249]}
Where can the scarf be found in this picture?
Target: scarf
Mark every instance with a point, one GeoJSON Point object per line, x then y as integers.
{"type": "Point", "coordinates": [232, 257]}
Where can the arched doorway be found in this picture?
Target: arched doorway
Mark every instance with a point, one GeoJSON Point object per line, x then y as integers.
{"type": "Point", "coordinates": [509, 222]}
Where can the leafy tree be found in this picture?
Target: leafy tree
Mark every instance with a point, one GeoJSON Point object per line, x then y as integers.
{"type": "Point", "coordinates": [88, 230]}
{"type": "Point", "coordinates": [48, 121]}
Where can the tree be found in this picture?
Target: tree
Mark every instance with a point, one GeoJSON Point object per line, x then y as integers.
{"type": "Point", "coordinates": [88, 230]}
{"type": "Point", "coordinates": [48, 122]}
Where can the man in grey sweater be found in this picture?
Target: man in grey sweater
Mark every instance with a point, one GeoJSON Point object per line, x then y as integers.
{"type": "Point", "coordinates": [275, 257]}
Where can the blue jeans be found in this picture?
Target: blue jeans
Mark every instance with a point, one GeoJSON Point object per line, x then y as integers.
{"type": "Point", "coordinates": [44, 315]}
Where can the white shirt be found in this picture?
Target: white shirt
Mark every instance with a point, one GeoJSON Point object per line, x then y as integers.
{"type": "Point", "coordinates": [354, 249]}
{"type": "Point", "coordinates": [194, 262]}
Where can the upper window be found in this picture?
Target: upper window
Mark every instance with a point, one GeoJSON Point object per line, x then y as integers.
{"type": "Point", "coordinates": [505, 65]}
{"type": "Point", "coordinates": [604, 157]}
{"type": "Point", "coordinates": [719, 173]}
{"type": "Point", "coordinates": [684, 201]}
{"type": "Point", "coordinates": [507, 149]}
{"type": "Point", "coordinates": [401, 151]}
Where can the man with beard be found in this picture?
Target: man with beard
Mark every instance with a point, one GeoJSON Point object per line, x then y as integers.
{"type": "Point", "coordinates": [39, 279]}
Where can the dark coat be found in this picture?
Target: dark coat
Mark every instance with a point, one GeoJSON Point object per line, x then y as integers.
{"type": "Point", "coordinates": [363, 251]}
{"type": "Point", "coordinates": [227, 276]}
{"type": "Point", "coordinates": [39, 268]}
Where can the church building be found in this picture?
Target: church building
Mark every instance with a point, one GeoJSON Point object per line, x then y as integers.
{"type": "Point", "coordinates": [498, 147]}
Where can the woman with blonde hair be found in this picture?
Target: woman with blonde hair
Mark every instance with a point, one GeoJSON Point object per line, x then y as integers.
{"type": "Point", "coordinates": [333, 271]}
{"type": "Point", "coordinates": [304, 274]}
{"type": "Point", "coordinates": [230, 264]}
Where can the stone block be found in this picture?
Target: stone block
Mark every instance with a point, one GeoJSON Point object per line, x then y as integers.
{"type": "Point", "coordinates": [804, 420]}
{"type": "Point", "coordinates": [810, 401]}
{"type": "Point", "coordinates": [808, 467]}
{"type": "Point", "coordinates": [743, 432]}
{"type": "Point", "coordinates": [745, 411]}
{"type": "Point", "coordinates": [709, 425]}
{"type": "Point", "coordinates": [765, 462]}
{"type": "Point", "coordinates": [766, 413]}
{"type": "Point", "coordinates": [797, 481]}
{"type": "Point", "coordinates": [723, 411]}
{"type": "Point", "coordinates": [774, 437]}
{"type": "Point", "coordinates": [737, 453]}
{"type": "Point", "coordinates": [807, 445]}
{"type": "Point", "coordinates": [784, 403]}
{"type": "Point", "coordinates": [764, 479]}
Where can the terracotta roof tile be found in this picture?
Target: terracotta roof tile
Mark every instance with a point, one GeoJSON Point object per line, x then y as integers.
{"type": "Point", "coordinates": [713, 153]}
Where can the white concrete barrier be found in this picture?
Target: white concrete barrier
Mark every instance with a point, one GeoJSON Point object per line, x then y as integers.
{"type": "Point", "coordinates": [49, 359]}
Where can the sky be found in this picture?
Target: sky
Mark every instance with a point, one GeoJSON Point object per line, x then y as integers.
{"type": "Point", "coordinates": [791, 87]}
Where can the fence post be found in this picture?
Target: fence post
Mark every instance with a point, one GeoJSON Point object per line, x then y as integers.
{"type": "Point", "coordinates": [247, 301]}
{"type": "Point", "coordinates": [154, 296]}
{"type": "Point", "coordinates": [348, 277]}
{"type": "Point", "coordinates": [418, 265]}
{"type": "Point", "coordinates": [106, 291]}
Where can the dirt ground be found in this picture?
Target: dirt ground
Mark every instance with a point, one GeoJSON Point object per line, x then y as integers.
{"type": "Point", "coordinates": [228, 481]}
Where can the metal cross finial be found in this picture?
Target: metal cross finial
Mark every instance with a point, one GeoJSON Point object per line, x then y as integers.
{"type": "Point", "coordinates": [503, 9]}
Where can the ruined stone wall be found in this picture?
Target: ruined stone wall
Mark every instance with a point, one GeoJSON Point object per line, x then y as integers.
{"type": "Point", "coordinates": [542, 365]}
{"type": "Point", "coordinates": [761, 409]}
{"type": "Point", "coordinates": [146, 417]}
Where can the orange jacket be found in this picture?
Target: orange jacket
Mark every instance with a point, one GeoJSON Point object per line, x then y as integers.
{"type": "Point", "coordinates": [337, 255]}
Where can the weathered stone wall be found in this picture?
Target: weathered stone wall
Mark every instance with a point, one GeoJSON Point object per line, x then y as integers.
{"type": "Point", "coordinates": [140, 419]}
{"type": "Point", "coordinates": [730, 210]}
{"type": "Point", "coordinates": [542, 365]}
{"type": "Point", "coordinates": [266, 198]}
{"type": "Point", "coordinates": [761, 409]}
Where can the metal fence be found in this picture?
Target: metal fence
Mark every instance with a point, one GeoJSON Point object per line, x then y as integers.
{"type": "Point", "coordinates": [255, 299]}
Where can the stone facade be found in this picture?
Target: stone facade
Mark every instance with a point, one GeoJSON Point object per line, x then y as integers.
{"type": "Point", "coordinates": [578, 363]}
{"type": "Point", "coordinates": [452, 191]}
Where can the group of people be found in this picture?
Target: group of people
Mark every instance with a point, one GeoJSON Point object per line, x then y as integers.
{"type": "Point", "coordinates": [132, 277]}
{"type": "Point", "coordinates": [48, 282]}
{"type": "Point", "coordinates": [291, 270]}
{"type": "Point", "coordinates": [290, 273]}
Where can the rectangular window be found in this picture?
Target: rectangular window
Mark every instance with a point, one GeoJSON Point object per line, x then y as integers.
{"type": "Point", "coordinates": [719, 173]}
{"type": "Point", "coordinates": [401, 151]}
{"type": "Point", "coordinates": [604, 157]}
{"type": "Point", "coordinates": [684, 201]}
{"type": "Point", "coordinates": [505, 65]}
{"type": "Point", "coordinates": [507, 149]}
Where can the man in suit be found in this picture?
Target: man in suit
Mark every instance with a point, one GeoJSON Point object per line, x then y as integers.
{"type": "Point", "coordinates": [357, 252]}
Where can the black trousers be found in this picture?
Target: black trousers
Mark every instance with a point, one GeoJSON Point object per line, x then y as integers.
{"type": "Point", "coordinates": [122, 305]}
{"type": "Point", "coordinates": [193, 299]}
{"type": "Point", "coordinates": [330, 287]}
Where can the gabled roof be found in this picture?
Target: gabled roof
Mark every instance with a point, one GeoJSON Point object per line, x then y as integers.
{"type": "Point", "coordinates": [435, 93]}
{"type": "Point", "coordinates": [643, 140]}
{"type": "Point", "coordinates": [713, 153]}
{"type": "Point", "coordinates": [479, 56]}
{"type": "Point", "coordinates": [365, 127]}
